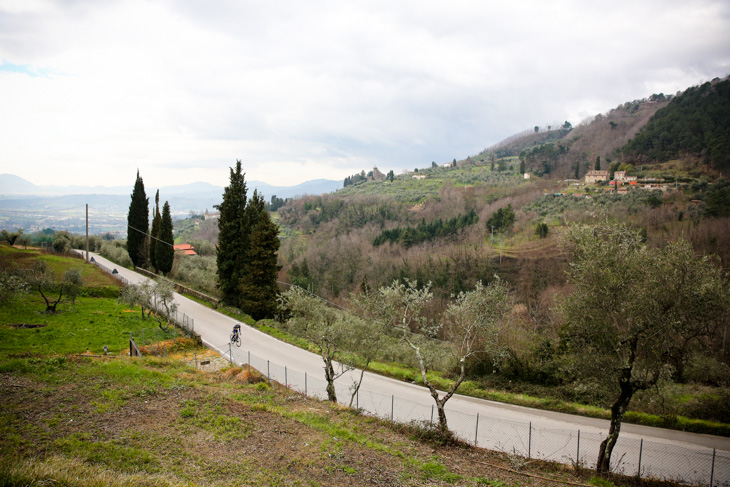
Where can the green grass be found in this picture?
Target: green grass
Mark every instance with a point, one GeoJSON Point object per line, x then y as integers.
{"type": "Point", "coordinates": [212, 415]}
{"type": "Point", "coordinates": [89, 324]}
{"type": "Point", "coordinates": [111, 454]}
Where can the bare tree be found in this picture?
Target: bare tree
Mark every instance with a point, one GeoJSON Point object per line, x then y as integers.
{"type": "Point", "coordinates": [468, 326]}
{"type": "Point", "coordinates": [155, 298]}
{"type": "Point", "coordinates": [42, 279]}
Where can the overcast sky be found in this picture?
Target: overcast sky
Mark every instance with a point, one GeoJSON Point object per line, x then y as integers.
{"type": "Point", "coordinates": [90, 90]}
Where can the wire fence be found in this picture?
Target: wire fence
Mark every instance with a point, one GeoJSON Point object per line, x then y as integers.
{"type": "Point", "coordinates": [153, 335]}
{"type": "Point", "coordinates": [631, 456]}
{"type": "Point", "coordinates": [112, 272]}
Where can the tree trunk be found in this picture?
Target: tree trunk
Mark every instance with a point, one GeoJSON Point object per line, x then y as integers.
{"type": "Point", "coordinates": [50, 307]}
{"type": "Point", "coordinates": [329, 374]}
{"type": "Point", "coordinates": [443, 425]}
{"type": "Point", "coordinates": [618, 409]}
{"type": "Point", "coordinates": [440, 401]}
{"type": "Point", "coordinates": [359, 382]}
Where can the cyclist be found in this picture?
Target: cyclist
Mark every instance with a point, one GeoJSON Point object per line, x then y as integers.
{"type": "Point", "coordinates": [236, 332]}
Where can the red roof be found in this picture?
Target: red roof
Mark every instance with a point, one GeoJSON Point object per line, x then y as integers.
{"type": "Point", "coordinates": [186, 249]}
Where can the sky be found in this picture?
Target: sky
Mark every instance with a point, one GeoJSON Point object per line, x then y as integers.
{"type": "Point", "coordinates": [92, 91]}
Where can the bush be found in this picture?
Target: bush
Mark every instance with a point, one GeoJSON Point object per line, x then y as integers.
{"type": "Point", "coordinates": [111, 292]}
{"type": "Point", "coordinates": [116, 253]}
{"type": "Point", "coordinates": [702, 369]}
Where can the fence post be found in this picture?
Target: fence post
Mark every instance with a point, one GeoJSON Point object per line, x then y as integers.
{"type": "Point", "coordinates": [268, 373]}
{"type": "Point", "coordinates": [392, 406]}
{"type": "Point", "coordinates": [712, 472]}
{"type": "Point", "coordinates": [577, 457]}
{"type": "Point", "coordinates": [143, 342]}
{"type": "Point", "coordinates": [305, 384]}
{"type": "Point", "coordinates": [357, 398]}
{"type": "Point", "coordinates": [641, 449]}
{"type": "Point", "coordinates": [529, 442]}
{"type": "Point", "coordinates": [286, 378]}
{"type": "Point", "coordinates": [431, 413]}
{"type": "Point", "coordinates": [230, 353]}
{"type": "Point", "coordinates": [196, 359]}
{"type": "Point", "coordinates": [476, 431]}
{"type": "Point", "coordinates": [249, 362]}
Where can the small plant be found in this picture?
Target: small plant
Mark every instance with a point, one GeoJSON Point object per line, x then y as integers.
{"type": "Point", "coordinates": [601, 482]}
{"type": "Point", "coordinates": [429, 432]}
{"type": "Point", "coordinates": [517, 462]}
{"type": "Point", "coordinates": [436, 470]}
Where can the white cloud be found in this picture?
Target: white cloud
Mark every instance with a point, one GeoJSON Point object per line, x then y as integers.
{"type": "Point", "coordinates": [300, 91]}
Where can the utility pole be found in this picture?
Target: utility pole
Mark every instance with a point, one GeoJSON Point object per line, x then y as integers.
{"type": "Point", "coordinates": [87, 233]}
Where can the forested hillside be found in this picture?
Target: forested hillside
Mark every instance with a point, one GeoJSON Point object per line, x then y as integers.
{"type": "Point", "coordinates": [504, 214]}
{"type": "Point", "coordinates": [413, 225]}
{"type": "Point", "coordinates": [696, 124]}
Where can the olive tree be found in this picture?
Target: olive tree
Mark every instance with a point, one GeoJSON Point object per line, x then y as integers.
{"type": "Point", "coordinates": [323, 325]}
{"type": "Point", "coordinates": [43, 279]}
{"type": "Point", "coordinates": [155, 298]}
{"type": "Point", "coordinates": [12, 285]}
{"type": "Point", "coordinates": [468, 326]}
{"type": "Point", "coordinates": [631, 310]}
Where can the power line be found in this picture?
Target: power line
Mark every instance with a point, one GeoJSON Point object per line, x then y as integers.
{"type": "Point", "coordinates": [42, 210]}
{"type": "Point", "coordinates": [143, 232]}
{"type": "Point", "coordinates": [150, 236]}
{"type": "Point", "coordinates": [312, 294]}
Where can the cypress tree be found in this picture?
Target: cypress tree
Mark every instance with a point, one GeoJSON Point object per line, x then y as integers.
{"type": "Point", "coordinates": [165, 252]}
{"type": "Point", "coordinates": [247, 245]}
{"type": "Point", "coordinates": [232, 236]}
{"type": "Point", "coordinates": [258, 285]}
{"type": "Point", "coordinates": [155, 232]}
{"type": "Point", "coordinates": [138, 224]}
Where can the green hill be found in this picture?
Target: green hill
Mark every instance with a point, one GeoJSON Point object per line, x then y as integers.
{"type": "Point", "coordinates": [695, 124]}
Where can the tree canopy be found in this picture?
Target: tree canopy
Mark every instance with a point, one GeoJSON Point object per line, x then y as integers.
{"type": "Point", "coordinates": [165, 250]}
{"type": "Point", "coordinates": [247, 246]}
{"type": "Point", "coordinates": [695, 123]}
{"type": "Point", "coordinates": [233, 235]}
{"type": "Point", "coordinates": [502, 219]}
{"type": "Point", "coordinates": [635, 311]}
{"type": "Point", "coordinates": [138, 224]}
{"type": "Point", "coordinates": [156, 220]}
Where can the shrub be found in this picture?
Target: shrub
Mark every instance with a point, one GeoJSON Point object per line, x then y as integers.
{"type": "Point", "coordinates": [115, 253]}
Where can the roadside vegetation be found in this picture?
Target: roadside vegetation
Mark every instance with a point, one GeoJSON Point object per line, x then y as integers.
{"type": "Point", "coordinates": [71, 418]}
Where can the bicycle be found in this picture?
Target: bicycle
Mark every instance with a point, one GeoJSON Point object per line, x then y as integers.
{"type": "Point", "coordinates": [236, 338]}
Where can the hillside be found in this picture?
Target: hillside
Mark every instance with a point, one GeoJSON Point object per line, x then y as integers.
{"type": "Point", "coordinates": [695, 125]}
{"type": "Point", "coordinates": [71, 415]}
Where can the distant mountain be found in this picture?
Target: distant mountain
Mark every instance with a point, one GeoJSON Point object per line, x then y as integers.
{"type": "Point", "coordinates": [26, 205]}
{"type": "Point", "coordinates": [198, 193]}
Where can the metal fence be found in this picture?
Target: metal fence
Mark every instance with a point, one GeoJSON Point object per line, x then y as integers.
{"type": "Point", "coordinates": [111, 272]}
{"type": "Point", "coordinates": [631, 456]}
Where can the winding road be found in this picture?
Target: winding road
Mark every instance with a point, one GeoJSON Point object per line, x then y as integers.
{"type": "Point", "coordinates": [566, 438]}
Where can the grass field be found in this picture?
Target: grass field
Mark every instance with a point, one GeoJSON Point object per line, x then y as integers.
{"type": "Point", "coordinates": [71, 419]}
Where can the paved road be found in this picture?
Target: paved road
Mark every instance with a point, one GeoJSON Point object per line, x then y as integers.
{"type": "Point", "coordinates": [539, 434]}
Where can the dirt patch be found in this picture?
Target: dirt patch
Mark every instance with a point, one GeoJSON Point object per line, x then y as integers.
{"type": "Point", "coordinates": [224, 428]}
